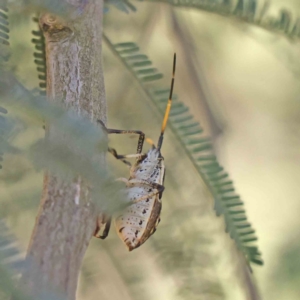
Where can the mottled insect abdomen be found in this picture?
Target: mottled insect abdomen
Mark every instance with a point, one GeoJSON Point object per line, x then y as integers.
{"type": "Point", "coordinates": [134, 224]}
{"type": "Point", "coordinates": [139, 220]}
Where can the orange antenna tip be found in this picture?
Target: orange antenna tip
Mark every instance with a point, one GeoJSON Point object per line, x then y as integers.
{"type": "Point", "coordinates": [168, 108]}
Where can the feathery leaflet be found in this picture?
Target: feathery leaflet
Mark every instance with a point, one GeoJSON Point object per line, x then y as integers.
{"type": "Point", "coordinates": [197, 147]}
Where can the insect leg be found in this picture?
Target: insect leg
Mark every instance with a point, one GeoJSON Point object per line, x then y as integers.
{"type": "Point", "coordinates": [125, 180]}
{"type": "Point", "coordinates": [118, 156]}
{"type": "Point", "coordinates": [105, 231]}
{"type": "Point", "coordinates": [122, 157]}
{"type": "Point", "coordinates": [119, 131]}
{"type": "Point", "coordinates": [146, 182]}
{"type": "Point", "coordinates": [149, 141]}
{"type": "Point", "coordinates": [158, 188]}
{"type": "Point", "coordinates": [147, 196]}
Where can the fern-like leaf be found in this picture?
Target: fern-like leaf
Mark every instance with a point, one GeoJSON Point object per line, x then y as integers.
{"type": "Point", "coordinates": [40, 57]}
{"type": "Point", "coordinates": [75, 152]}
{"type": "Point", "coordinates": [198, 148]}
{"type": "Point", "coordinates": [4, 56]}
{"type": "Point", "coordinates": [4, 31]}
{"type": "Point", "coordinates": [4, 34]}
{"type": "Point", "coordinates": [4, 128]}
{"type": "Point", "coordinates": [246, 11]}
{"type": "Point", "coordinates": [12, 264]}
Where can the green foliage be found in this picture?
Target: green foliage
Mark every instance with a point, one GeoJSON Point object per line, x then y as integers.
{"type": "Point", "coordinates": [76, 152]}
{"type": "Point", "coordinates": [40, 57]}
{"type": "Point", "coordinates": [12, 264]}
{"type": "Point", "coordinates": [2, 126]}
{"type": "Point", "coordinates": [197, 147]}
{"type": "Point", "coordinates": [4, 34]}
{"type": "Point", "coordinates": [4, 56]}
{"type": "Point", "coordinates": [8, 129]}
{"type": "Point", "coordinates": [245, 11]}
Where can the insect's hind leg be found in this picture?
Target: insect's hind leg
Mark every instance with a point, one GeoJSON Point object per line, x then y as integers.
{"type": "Point", "coordinates": [105, 231]}
{"type": "Point", "coordinates": [120, 131]}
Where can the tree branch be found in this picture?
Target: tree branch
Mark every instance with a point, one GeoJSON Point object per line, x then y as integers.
{"type": "Point", "coordinates": [67, 219]}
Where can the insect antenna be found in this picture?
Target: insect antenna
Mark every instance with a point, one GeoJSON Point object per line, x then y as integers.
{"type": "Point", "coordinates": [168, 108]}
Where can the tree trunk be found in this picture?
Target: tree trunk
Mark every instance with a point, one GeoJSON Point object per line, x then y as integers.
{"type": "Point", "coordinates": [67, 219]}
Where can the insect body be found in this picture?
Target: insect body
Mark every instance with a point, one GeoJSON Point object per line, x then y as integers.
{"type": "Point", "coordinates": [144, 188]}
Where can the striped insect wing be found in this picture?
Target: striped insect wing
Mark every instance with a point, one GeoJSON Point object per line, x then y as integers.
{"type": "Point", "coordinates": [139, 220]}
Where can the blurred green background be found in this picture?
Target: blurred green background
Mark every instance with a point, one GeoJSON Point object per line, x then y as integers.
{"type": "Point", "coordinates": [242, 84]}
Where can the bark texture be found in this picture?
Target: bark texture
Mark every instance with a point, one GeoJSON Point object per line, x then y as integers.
{"type": "Point", "coordinates": [67, 219]}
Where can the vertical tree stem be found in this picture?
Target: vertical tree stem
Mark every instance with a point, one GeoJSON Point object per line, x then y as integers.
{"type": "Point", "coordinates": [64, 225]}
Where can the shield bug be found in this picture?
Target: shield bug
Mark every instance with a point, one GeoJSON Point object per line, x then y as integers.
{"type": "Point", "coordinates": [138, 221]}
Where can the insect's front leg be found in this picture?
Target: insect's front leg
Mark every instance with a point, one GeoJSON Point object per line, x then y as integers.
{"type": "Point", "coordinates": [122, 157]}
{"type": "Point", "coordinates": [120, 131]}
{"type": "Point", "coordinates": [119, 156]}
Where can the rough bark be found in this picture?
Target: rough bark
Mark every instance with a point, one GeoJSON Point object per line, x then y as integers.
{"type": "Point", "coordinates": [67, 218]}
